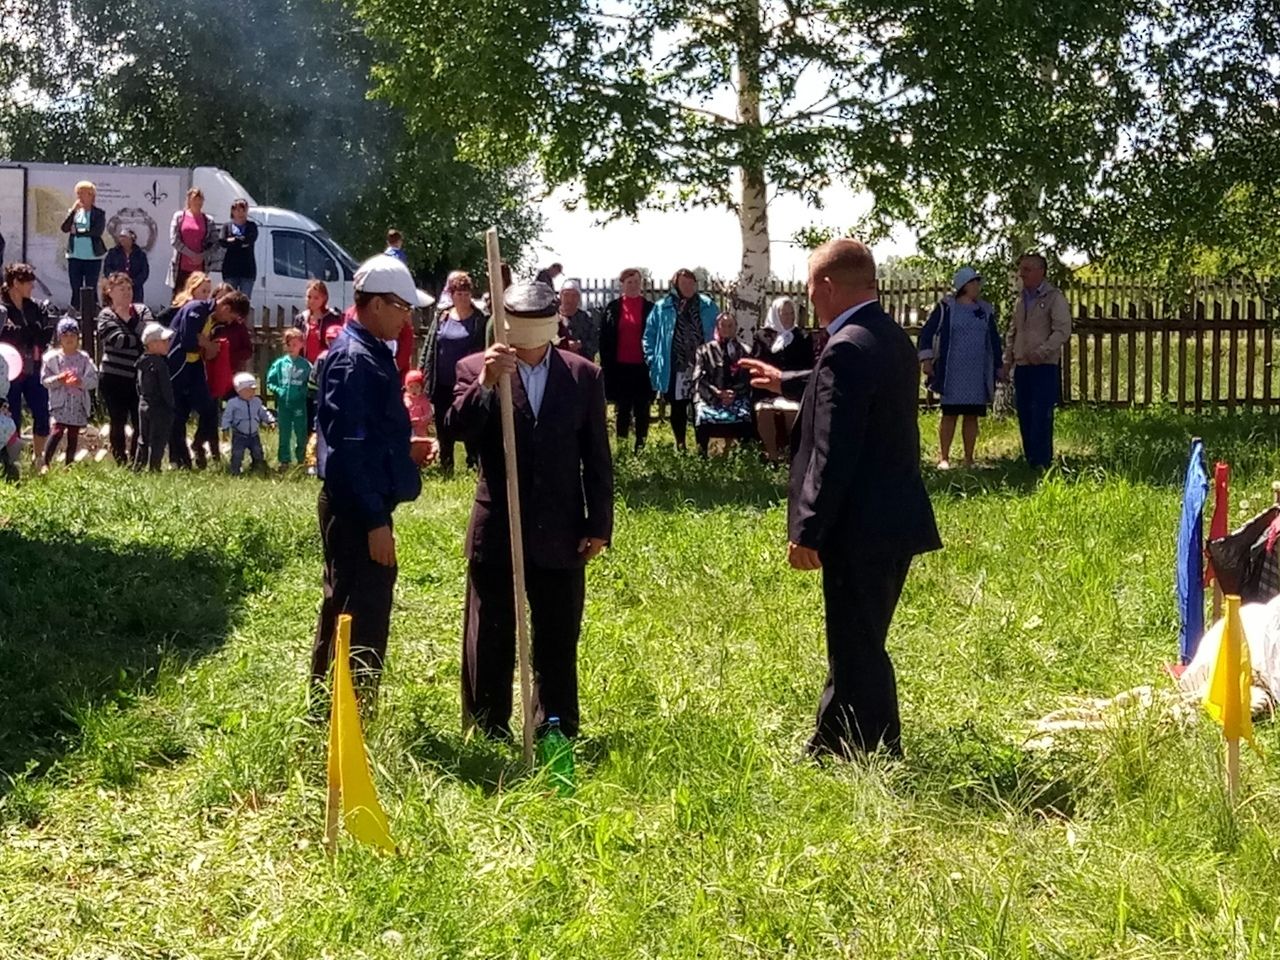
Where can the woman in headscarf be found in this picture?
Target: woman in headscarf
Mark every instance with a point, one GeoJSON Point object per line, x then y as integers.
{"type": "Point", "coordinates": [680, 323]}
{"type": "Point", "coordinates": [962, 358]}
{"type": "Point", "coordinates": [721, 388]}
{"type": "Point", "coordinates": [789, 348]}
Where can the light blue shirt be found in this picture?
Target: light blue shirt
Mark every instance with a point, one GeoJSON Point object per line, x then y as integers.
{"type": "Point", "coordinates": [81, 242]}
{"type": "Point", "coordinates": [1029, 296]}
{"type": "Point", "coordinates": [534, 379]}
{"type": "Point", "coordinates": [834, 326]}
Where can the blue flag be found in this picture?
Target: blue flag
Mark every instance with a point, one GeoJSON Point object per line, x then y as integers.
{"type": "Point", "coordinates": [1190, 578]}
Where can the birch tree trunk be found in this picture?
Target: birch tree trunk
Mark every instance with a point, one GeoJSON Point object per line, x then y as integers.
{"type": "Point", "coordinates": [753, 204]}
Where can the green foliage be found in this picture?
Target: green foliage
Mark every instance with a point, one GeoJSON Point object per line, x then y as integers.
{"type": "Point", "coordinates": [176, 807]}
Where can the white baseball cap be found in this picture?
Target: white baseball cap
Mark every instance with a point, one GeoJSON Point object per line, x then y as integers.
{"type": "Point", "coordinates": [243, 381]}
{"type": "Point", "coordinates": [155, 331]}
{"type": "Point", "coordinates": [384, 274]}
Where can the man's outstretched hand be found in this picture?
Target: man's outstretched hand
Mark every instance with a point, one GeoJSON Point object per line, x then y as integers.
{"type": "Point", "coordinates": [763, 376]}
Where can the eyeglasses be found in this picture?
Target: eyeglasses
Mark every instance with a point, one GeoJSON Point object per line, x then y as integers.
{"type": "Point", "coordinates": [397, 303]}
{"type": "Point", "coordinates": [462, 288]}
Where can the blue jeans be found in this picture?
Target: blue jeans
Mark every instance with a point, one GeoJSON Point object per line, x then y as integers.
{"type": "Point", "coordinates": [82, 273]}
{"type": "Point", "coordinates": [240, 442]}
{"type": "Point", "coordinates": [28, 387]}
{"type": "Point", "coordinates": [1036, 394]}
{"type": "Point", "coordinates": [243, 284]}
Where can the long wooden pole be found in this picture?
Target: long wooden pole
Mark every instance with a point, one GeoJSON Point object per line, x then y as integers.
{"type": "Point", "coordinates": [513, 492]}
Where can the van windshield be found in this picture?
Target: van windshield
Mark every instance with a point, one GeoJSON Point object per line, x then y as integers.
{"type": "Point", "coordinates": [348, 262]}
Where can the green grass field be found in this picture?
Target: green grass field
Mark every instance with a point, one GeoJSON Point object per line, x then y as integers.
{"type": "Point", "coordinates": [161, 791]}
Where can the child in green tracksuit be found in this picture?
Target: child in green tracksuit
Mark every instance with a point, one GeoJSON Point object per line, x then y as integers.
{"type": "Point", "coordinates": [287, 379]}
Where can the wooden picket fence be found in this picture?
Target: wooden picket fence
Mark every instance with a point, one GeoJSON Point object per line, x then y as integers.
{"type": "Point", "coordinates": [1131, 346]}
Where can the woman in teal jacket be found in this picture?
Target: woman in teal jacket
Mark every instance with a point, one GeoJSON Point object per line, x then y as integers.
{"type": "Point", "coordinates": [680, 323]}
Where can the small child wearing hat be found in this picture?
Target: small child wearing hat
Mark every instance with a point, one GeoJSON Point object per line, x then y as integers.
{"type": "Point", "coordinates": [68, 374]}
{"type": "Point", "coordinates": [422, 448]}
{"type": "Point", "coordinates": [156, 401]}
{"type": "Point", "coordinates": [288, 379]}
{"type": "Point", "coordinates": [244, 415]}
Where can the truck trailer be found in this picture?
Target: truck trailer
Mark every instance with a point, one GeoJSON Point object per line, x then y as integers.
{"type": "Point", "coordinates": [292, 249]}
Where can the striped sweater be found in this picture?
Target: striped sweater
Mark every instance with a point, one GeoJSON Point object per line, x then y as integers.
{"type": "Point", "coordinates": [122, 340]}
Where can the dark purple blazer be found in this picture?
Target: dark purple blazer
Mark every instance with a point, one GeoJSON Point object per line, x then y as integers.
{"type": "Point", "coordinates": [566, 468]}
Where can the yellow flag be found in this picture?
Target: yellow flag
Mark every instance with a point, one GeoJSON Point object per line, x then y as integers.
{"type": "Point", "coordinates": [1227, 698]}
{"type": "Point", "coordinates": [349, 779]}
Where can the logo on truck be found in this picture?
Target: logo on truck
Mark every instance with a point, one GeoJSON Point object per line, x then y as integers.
{"type": "Point", "coordinates": [155, 194]}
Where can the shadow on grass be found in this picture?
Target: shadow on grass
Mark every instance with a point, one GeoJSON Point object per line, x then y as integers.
{"type": "Point", "coordinates": [1152, 446]}
{"type": "Point", "coordinates": [662, 479]}
{"type": "Point", "coordinates": [1142, 447]}
{"type": "Point", "coordinates": [84, 623]}
{"type": "Point", "coordinates": [488, 764]}
{"type": "Point", "coordinates": [974, 766]}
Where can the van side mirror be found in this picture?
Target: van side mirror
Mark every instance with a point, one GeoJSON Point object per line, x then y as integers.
{"type": "Point", "coordinates": [330, 271]}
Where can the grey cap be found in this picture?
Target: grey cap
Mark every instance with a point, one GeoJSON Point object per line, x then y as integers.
{"type": "Point", "coordinates": [533, 300]}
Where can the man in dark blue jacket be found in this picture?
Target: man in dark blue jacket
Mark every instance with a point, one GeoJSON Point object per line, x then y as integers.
{"type": "Point", "coordinates": [362, 454]}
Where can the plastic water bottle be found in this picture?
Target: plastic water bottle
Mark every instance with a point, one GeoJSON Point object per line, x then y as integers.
{"type": "Point", "coordinates": [555, 753]}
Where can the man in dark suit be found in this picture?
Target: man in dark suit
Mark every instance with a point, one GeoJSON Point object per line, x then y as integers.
{"type": "Point", "coordinates": [566, 508]}
{"type": "Point", "coordinates": [857, 508]}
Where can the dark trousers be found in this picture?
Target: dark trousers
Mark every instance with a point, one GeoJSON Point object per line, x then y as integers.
{"type": "Point", "coordinates": [441, 401]}
{"type": "Point", "coordinates": [742, 432]}
{"type": "Point", "coordinates": [1036, 394]}
{"type": "Point", "coordinates": [678, 411]}
{"type": "Point", "coordinates": [556, 599]}
{"type": "Point", "coordinates": [29, 388]}
{"type": "Point", "coordinates": [191, 395]}
{"type": "Point", "coordinates": [121, 397]}
{"type": "Point", "coordinates": [859, 707]}
{"type": "Point", "coordinates": [155, 426]}
{"type": "Point", "coordinates": [354, 584]}
{"type": "Point", "coordinates": [633, 399]}
{"type": "Point", "coordinates": [242, 443]}
{"type": "Point", "coordinates": [73, 442]}
{"type": "Point", "coordinates": [81, 274]}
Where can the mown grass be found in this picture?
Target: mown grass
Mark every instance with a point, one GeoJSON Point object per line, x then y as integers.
{"type": "Point", "coordinates": [161, 792]}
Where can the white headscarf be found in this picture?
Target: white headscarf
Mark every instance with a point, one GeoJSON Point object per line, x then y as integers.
{"type": "Point", "coordinates": [774, 323]}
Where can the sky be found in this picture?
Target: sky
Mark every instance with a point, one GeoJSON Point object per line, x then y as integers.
{"type": "Point", "coordinates": [663, 242]}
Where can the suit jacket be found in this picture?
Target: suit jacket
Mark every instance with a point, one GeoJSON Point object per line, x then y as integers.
{"type": "Point", "coordinates": [566, 469]}
{"type": "Point", "coordinates": [856, 490]}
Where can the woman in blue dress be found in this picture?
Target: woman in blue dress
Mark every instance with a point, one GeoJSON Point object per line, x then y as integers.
{"type": "Point", "coordinates": [961, 355]}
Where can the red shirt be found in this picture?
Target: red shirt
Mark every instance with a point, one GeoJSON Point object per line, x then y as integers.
{"type": "Point", "coordinates": [631, 330]}
{"type": "Point", "coordinates": [239, 343]}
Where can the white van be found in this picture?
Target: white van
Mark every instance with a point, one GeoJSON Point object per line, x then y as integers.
{"type": "Point", "coordinates": [292, 249]}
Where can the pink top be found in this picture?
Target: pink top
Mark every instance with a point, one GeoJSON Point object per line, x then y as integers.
{"type": "Point", "coordinates": [191, 230]}
{"type": "Point", "coordinates": [419, 408]}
